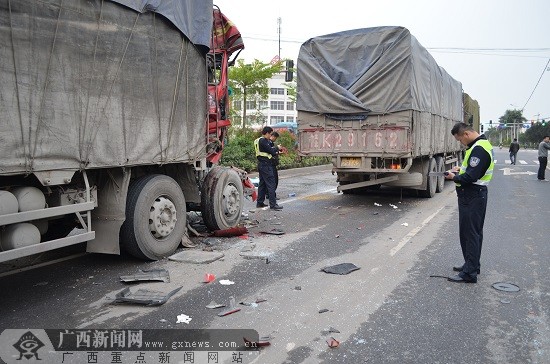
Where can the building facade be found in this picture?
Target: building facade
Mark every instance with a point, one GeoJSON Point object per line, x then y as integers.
{"type": "Point", "coordinates": [279, 107]}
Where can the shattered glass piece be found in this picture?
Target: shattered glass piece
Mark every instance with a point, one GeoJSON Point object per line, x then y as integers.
{"type": "Point", "coordinates": [148, 275]}
{"type": "Point", "coordinates": [342, 268]}
{"type": "Point", "coordinates": [144, 297]}
{"type": "Point", "coordinates": [506, 287]}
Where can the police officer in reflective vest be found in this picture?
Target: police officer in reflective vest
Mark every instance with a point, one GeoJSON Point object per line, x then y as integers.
{"type": "Point", "coordinates": [265, 151]}
{"type": "Point", "coordinates": [471, 181]}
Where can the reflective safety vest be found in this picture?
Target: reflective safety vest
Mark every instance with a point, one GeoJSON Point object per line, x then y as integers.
{"type": "Point", "coordinates": [486, 178]}
{"type": "Point", "coordinates": [257, 150]}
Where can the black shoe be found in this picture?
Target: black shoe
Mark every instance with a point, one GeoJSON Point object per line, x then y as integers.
{"type": "Point", "coordinates": [276, 208]}
{"type": "Point", "coordinates": [458, 268]}
{"type": "Point", "coordinates": [259, 205]}
{"type": "Point", "coordinates": [459, 279]}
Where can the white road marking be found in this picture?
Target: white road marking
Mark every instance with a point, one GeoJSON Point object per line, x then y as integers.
{"type": "Point", "coordinates": [413, 232]}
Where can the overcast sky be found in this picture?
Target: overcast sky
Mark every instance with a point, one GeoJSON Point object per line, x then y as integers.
{"type": "Point", "coordinates": [497, 49]}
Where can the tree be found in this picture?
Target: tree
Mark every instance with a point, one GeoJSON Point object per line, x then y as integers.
{"type": "Point", "coordinates": [250, 81]}
{"type": "Point", "coordinates": [512, 117]}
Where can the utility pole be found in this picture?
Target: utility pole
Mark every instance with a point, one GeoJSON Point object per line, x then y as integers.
{"type": "Point", "coordinates": [279, 33]}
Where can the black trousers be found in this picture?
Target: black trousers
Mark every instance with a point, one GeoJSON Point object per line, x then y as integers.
{"type": "Point", "coordinates": [543, 162]}
{"type": "Point", "coordinates": [472, 204]}
{"type": "Point", "coordinates": [267, 183]}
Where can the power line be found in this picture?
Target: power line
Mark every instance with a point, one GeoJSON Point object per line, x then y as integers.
{"type": "Point", "coordinates": [542, 74]}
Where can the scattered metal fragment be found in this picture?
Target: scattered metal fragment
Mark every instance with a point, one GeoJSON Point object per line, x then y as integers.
{"type": "Point", "coordinates": [342, 268]}
{"type": "Point", "coordinates": [273, 232]}
{"type": "Point", "coordinates": [298, 288]}
{"type": "Point", "coordinates": [255, 344]}
{"type": "Point", "coordinates": [214, 304]}
{"type": "Point", "coordinates": [333, 343]}
{"type": "Point", "coordinates": [144, 297]}
{"type": "Point", "coordinates": [404, 224]}
{"type": "Point", "coordinates": [231, 309]}
{"type": "Point", "coordinates": [148, 275]}
{"type": "Point", "coordinates": [226, 282]}
{"type": "Point", "coordinates": [254, 304]}
{"type": "Point", "coordinates": [183, 319]}
{"type": "Point", "coordinates": [392, 205]}
{"type": "Point", "coordinates": [506, 287]}
{"type": "Point", "coordinates": [333, 330]}
{"type": "Point", "coordinates": [323, 310]}
{"type": "Point", "coordinates": [375, 213]}
{"type": "Point", "coordinates": [505, 301]}
{"type": "Point", "coordinates": [377, 204]}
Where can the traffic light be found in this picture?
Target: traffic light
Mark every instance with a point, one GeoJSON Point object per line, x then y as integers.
{"type": "Point", "coordinates": [289, 75]}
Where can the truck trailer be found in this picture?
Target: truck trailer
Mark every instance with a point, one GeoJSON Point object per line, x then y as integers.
{"type": "Point", "coordinates": [375, 101]}
{"type": "Point", "coordinates": [113, 115]}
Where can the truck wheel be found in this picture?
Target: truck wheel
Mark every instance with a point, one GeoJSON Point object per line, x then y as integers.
{"type": "Point", "coordinates": [221, 199]}
{"type": "Point", "coordinates": [440, 163]}
{"type": "Point", "coordinates": [155, 217]}
{"type": "Point", "coordinates": [431, 182]}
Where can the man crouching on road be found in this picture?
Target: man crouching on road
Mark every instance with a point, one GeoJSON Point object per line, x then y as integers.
{"type": "Point", "coordinates": [265, 151]}
{"type": "Point", "coordinates": [471, 181]}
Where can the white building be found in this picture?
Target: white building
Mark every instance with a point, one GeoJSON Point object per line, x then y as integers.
{"type": "Point", "coordinates": [279, 107]}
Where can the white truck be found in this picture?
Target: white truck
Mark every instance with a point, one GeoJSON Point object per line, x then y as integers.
{"type": "Point", "coordinates": [113, 115]}
{"type": "Point", "coordinates": [377, 103]}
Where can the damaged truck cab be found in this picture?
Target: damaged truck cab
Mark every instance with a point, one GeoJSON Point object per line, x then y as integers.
{"type": "Point", "coordinates": [112, 120]}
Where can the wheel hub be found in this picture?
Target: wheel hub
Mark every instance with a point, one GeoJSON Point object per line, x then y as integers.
{"type": "Point", "coordinates": [231, 200]}
{"type": "Point", "coordinates": [162, 218]}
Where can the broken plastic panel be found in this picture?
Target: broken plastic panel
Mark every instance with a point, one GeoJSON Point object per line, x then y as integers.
{"type": "Point", "coordinates": [144, 297]}
{"type": "Point", "coordinates": [342, 268]}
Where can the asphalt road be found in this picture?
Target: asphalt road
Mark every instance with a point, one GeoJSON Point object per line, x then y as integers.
{"type": "Point", "coordinates": [388, 311]}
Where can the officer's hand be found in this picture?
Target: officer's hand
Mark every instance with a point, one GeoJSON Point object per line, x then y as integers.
{"type": "Point", "coordinates": [449, 175]}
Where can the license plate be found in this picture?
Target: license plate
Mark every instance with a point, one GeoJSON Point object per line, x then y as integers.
{"type": "Point", "coordinates": [350, 162]}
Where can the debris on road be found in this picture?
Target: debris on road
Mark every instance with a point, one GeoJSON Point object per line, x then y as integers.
{"type": "Point", "coordinates": [255, 344]}
{"type": "Point", "coordinates": [148, 275]}
{"type": "Point", "coordinates": [506, 287]}
{"type": "Point", "coordinates": [253, 304]}
{"type": "Point", "coordinates": [273, 232]}
{"type": "Point", "coordinates": [183, 319]}
{"type": "Point", "coordinates": [377, 204]}
{"type": "Point", "coordinates": [323, 310]}
{"type": "Point", "coordinates": [232, 308]}
{"type": "Point", "coordinates": [342, 268]}
{"type": "Point", "coordinates": [187, 243]}
{"type": "Point", "coordinates": [196, 256]}
{"type": "Point", "coordinates": [404, 224]}
{"type": "Point", "coordinates": [333, 343]}
{"type": "Point", "coordinates": [234, 231]}
{"type": "Point", "coordinates": [208, 277]}
{"type": "Point", "coordinates": [292, 194]}
{"type": "Point", "coordinates": [392, 205]}
{"type": "Point", "coordinates": [226, 282]}
{"type": "Point", "coordinates": [144, 297]}
{"type": "Point", "coordinates": [214, 304]}
{"type": "Point", "coordinates": [331, 330]}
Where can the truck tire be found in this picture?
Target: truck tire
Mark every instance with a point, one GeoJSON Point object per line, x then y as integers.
{"type": "Point", "coordinates": [155, 217]}
{"type": "Point", "coordinates": [221, 199]}
{"type": "Point", "coordinates": [429, 166]}
{"type": "Point", "coordinates": [440, 163]}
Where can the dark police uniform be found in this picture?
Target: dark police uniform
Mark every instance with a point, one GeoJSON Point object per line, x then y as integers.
{"type": "Point", "coordinates": [471, 188]}
{"type": "Point", "coordinates": [265, 151]}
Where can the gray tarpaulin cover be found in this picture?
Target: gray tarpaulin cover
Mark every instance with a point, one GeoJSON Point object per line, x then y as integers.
{"type": "Point", "coordinates": [192, 17]}
{"type": "Point", "coordinates": [381, 70]}
{"type": "Point", "coordinates": [92, 83]}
